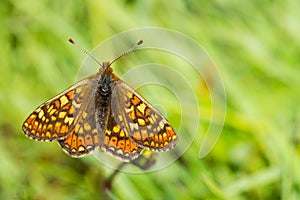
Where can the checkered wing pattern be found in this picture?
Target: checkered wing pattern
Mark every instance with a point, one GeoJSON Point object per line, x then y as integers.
{"type": "Point", "coordinates": [143, 123]}
{"type": "Point", "coordinates": [118, 143]}
{"type": "Point", "coordinates": [67, 118]}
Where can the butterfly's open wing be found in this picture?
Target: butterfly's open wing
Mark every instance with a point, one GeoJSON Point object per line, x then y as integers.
{"type": "Point", "coordinates": [144, 124]}
{"type": "Point", "coordinates": [118, 143]}
{"type": "Point", "coordinates": [67, 117]}
{"type": "Point", "coordinates": [84, 137]}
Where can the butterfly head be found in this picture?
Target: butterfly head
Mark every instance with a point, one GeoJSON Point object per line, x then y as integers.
{"type": "Point", "coordinates": [106, 67]}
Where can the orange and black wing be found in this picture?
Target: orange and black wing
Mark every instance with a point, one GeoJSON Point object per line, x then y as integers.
{"type": "Point", "coordinates": [64, 117]}
{"type": "Point", "coordinates": [84, 136]}
{"type": "Point", "coordinates": [144, 124]}
{"type": "Point", "coordinates": [118, 143]}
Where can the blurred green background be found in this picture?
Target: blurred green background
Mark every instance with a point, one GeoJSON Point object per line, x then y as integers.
{"type": "Point", "coordinates": [256, 46]}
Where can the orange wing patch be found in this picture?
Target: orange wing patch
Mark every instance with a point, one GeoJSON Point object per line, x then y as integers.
{"type": "Point", "coordinates": [80, 142]}
{"type": "Point", "coordinates": [118, 143]}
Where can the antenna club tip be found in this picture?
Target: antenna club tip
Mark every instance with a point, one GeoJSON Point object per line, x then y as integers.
{"type": "Point", "coordinates": [71, 40]}
{"type": "Point", "coordinates": [141, 41]}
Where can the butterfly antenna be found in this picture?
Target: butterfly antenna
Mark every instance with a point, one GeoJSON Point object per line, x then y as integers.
{"type": "Point", "coordinates": [128, 51]}
{"type": "Point", "coordinates": [84, 51]}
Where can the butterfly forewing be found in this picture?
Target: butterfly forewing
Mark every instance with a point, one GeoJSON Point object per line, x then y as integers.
{"type": "Point", "coordinates": [144, 124]}
{"type": "Point", "coordinates": [56, 118]}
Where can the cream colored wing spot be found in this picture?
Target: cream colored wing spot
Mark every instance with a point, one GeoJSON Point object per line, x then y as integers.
{"type": "Point", "coordinates": [63, 100]}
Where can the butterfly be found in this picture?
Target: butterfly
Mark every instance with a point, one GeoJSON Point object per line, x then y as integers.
{"type": "Point", "coordinates": [101, 112]}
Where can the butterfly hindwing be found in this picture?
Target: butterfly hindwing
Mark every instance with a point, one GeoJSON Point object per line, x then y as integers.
{"type": "Point", "coordinates": [144, 124]}
{"type": "Point", "coordinates": [118, 143]}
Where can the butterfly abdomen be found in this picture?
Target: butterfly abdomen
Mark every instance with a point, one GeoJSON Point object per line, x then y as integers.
{"type": "Point", "coordinates": [103, 100]}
